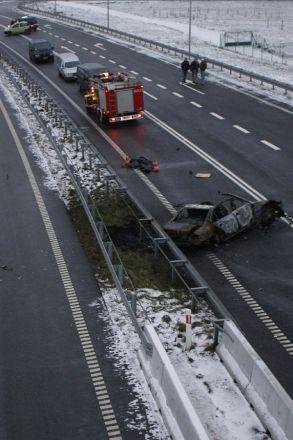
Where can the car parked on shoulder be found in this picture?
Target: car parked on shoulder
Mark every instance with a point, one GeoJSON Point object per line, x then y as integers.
{"type": "Point", "coordinates": [17, 28]}
{"type": "Point", "coordinates": [87, 71]}
{"type": "Point", "coordinates": [67, 64]}
{"type": "Point", "coordinates": [203, 223]}
{"type": "Point", "coordinates": [41, 51]}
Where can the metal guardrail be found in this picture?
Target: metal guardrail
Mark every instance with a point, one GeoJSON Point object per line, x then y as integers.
{"type": "Point", "coordinates": [181, 269]}
{"type": "Point", "coordinates": [163, 47]}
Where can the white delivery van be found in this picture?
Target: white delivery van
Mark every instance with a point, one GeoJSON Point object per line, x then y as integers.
{"type": "Point", "coordinates": [67, 63]}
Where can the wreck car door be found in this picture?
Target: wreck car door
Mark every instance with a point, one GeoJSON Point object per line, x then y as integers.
{"type": "Point", "coordinates": [236, 220]}
{"type": "Point", "coordinates": [228, 224]}
{"type": "Point", "coordinates": [244, 215]}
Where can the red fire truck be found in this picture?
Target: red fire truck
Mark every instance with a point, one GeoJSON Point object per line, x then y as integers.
{"type": "Point", "coordinates": [115, 97]}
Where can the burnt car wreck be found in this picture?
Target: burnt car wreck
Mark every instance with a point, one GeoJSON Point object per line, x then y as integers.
{"type": "Point", "coordinates": [207, 223]}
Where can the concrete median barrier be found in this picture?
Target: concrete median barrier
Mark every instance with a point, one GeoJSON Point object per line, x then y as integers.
{"type": "Point", "coordinates": [269, 399]}
{"type": "Point", "coordinates": [179, 415]}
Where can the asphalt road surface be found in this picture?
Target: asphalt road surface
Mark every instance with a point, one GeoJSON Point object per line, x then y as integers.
{"type": "Point", "coordinates": [246, 145]}
{"type": "Point", "coordinates": [58, 379]}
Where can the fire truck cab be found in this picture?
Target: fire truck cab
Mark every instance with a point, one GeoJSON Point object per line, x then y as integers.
{"type": "Point", "coordinates": [115, 97]}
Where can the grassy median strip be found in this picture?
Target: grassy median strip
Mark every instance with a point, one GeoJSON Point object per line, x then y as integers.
{"type": "Point", "coordinates": [144, 269]}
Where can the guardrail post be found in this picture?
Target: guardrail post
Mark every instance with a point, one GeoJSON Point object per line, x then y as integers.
{"type": "Point", "coordinates": [109, 248]}
{"type": "Point", "coordinates": [133, 302]}
{"type": "Point", "coordinates": [157, 242]}
{"type": "Point", "coordinates": [175, 263]}
{"type": "Point", "coordinates": [90, 161]}
{"type": "Point", "coordinates": [141, 221]}
{"type": "Point", "coordinates": [120, 273]}
{"type": "Point", "coordinates": [76, 144]}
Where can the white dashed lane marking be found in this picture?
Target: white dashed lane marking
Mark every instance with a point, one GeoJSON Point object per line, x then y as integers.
{"type": "Point", "coordinates": [269, 144]}
{"type": "Point", "coordinates": [93, 52]}
{"type": "Point", "coordinates": [63, 271]}
{"type": "Point", "coordinates": [56, 36]}
{"type": "Point", "coordinates": [215, 115]}
{"type": "Point", "coordinates": [84, 48]}
{"type": "Point", "coordinates": [102, 56]}
{"type": "Point", "coordinates": [196, 104]}
{"type": "Point", "coordinates": [177, 94]}
{"type": "Point", "coordinates": [70, 42]}
{"type": "Point", "coordinates": [161, 86]}
{"type": "Point", "coordinates": [122, 67]}
{"type": "Point", "coordinates": [63, 39]}
{"type": "Point", "coordinates": [151, 96]}
{"type": "Point", "coordinates": [76, 44]}
{"type": "Point", "coordinates": [112, 61]}
{"type": "Point", "coordinates": [134, 72]}
{"type": "Point", "coordinates": [255, 307]}
{"type": "Point", "coordinates": [147, 79]}
{"type": "Point", "coordinates": [238, 127]}
{"type": "Point", "coordinates": [99, 46]}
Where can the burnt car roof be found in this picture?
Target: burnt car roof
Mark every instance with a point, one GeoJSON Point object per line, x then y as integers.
{"type": "Point", "coordinates": [198, 206]}
{"type": "Point", "coordinates": [234, 214]}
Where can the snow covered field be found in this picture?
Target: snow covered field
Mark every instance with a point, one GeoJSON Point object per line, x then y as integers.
{"type": "Point", "coordinates": [216, 398]}
{"type": "Point", "coordinates": [167, 22]}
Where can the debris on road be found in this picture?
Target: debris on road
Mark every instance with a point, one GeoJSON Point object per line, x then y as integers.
{"type": "Point", "coordinates": [5, 267]}
{"type": "Point", "coordinates": [203, 175]}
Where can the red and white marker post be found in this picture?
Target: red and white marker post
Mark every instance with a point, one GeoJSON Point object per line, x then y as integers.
{"type": "Point", "coordinates": [188, 321]}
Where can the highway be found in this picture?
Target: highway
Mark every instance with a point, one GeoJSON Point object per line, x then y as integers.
{"type": "Point", "coordinates": [246, 145]}
{"type": "Point", "coordinates": [58, 376]}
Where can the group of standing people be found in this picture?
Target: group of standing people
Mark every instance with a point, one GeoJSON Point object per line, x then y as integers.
{"type": "Point", "coordinates": [195, 66]}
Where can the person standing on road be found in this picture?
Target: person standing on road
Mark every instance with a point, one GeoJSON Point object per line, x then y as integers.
{"type": "Point", "coordinates": [202, 67]}
{"type": "Point", "coordinates": [194, 66]}
{"type": "Point", "coordinates": [184, 67]}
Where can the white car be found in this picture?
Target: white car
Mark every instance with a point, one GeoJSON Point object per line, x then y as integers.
{"type": "Point", "coordinates": [67, 63]}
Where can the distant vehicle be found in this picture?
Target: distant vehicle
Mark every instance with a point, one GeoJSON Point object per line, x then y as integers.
{"type": "Point", "coordinates": [17, 28]}
{"type": "Point", "coordinates": [67, 64]}
{"type": "Point", "coordinates": [41, 50]}
{"type": "Point", "coordinates": [115, 97]}
{"type": "Point", "coordinates": [86, 71]}
{"type": "Point", "coordinates": [31, 21]}
{"type": "Point", "coordinates": [204, 223]}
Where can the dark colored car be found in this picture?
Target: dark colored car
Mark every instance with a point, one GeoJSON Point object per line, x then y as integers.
{"type": "Point", "coordinates": [40, 51]}
{"type": "Point", "coordinates": [204, 223]}
{"type": "Point", "coordinates": [86, 71]}
{"type": "Point", "coordinates": [31, 21]}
